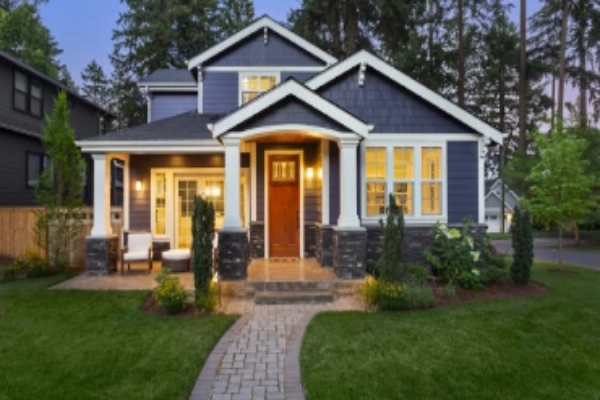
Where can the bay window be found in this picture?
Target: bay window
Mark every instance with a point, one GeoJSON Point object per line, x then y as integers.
{"type": "Point", "coordinates": [414, 174]}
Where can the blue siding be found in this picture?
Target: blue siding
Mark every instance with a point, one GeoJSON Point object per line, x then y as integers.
{"type": "Point", "coordinates": [334, 183]}
{"type": "Point", "coordinates": [391, 108]}
{"type": "Point", "coordinates": [463, 181]}
{"type": "Point", "coordinates": [253, 52]}
{"type": "Point", "coordinates": [291, 111]}
{"type": "Point", "coordinates": [299, 76]}
{"type": "Point", "coordinates": [221, 94]}
{"type": "Point", "coordinates": [170, 104]}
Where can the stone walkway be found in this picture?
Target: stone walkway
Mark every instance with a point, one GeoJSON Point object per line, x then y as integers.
{"type": "Point", "coordinates": [258, 357]}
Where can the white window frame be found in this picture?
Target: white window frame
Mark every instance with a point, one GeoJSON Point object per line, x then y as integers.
{"type": "Point", "coordinates": [245, 74]}
{"type": "Point", "coordinates": [417, 142]}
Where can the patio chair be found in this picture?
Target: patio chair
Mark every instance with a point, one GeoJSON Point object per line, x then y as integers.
{"type": "Point", "coordinates": [139, 248]}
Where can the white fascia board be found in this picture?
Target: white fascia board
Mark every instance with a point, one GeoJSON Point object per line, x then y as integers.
{"type": "Point", "coordinates": [410, 84]}
{"type": "Point", "coordinates": [264, 22]}
{"type": "Point", "coordinates": [157, 146]}
{"type": "Point", "coordinates": [290, 88]}
{"type": "Point", "coordinates": [263, 69]}
{"type": "Point", "coordinates": [167, 84]}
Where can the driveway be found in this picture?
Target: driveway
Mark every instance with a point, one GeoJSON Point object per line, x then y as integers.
{"type": "Point", "coordinates": [547, 250]}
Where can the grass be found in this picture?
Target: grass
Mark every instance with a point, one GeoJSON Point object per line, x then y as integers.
{"type": "Point", "coordinates": [532, 348]}
{"type": "Point", "coordinates": [97, 345]}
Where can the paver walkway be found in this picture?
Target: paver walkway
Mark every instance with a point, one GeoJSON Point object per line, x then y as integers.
{"type": "Point", "coordinates": [258, 357]}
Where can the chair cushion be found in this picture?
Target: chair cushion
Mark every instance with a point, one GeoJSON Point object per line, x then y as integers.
{"type": "Point", "coordinates": [139, 242]}
{"type": "Point", "coordinates": [178, 254]}
{"type": "Point", "coordinates": [135, 256]}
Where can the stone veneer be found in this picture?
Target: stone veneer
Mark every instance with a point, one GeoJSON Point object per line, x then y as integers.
{"type": "Point", "coordinates": [324, 252]}
{"type": "Point", "coordinates": [101, 255]}
{"type": "Point", "coordinates": [257, 239]}
{"type": "Point", "coordinates": [417, 239]}
{"type": "Point", "coordinates": [350, 253]}
{"type": "Point", "coordinates": [233, 254]}
{"type": "Point", "coordinates": [310, 240]}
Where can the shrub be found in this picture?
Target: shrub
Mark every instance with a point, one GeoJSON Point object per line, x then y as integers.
{"type": "Point", "coordinates": [10, 273]}
{"type": "Point", "coordinates": [522, 243]}
{"type": "Point", "coordinates": [389, 296]}
{"type": "Point", "coordinates": [416, 274]}
{"type": "Point", "coordinates": [389, 265]}
{"type": "Point", "coordinates": [203, 229]}
{"type": "Point", "coordinates": [493, 274]}
{"type": "Point", "coordinates": [208, 301]}
{"type": "Point", "coordinates": [32, 265]}
{"type": "Point", "coordinates": [170, 293]}
{"type": "Point", "coordinates": [491, 255]}
{"type": "Point", "coordinates": [454, 256]}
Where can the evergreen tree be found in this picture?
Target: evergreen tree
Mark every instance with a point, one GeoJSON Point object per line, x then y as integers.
{"type": "Point", "coordinates": [60, 188]}
{"type": "Point", "coordinates": [64, 77]}
{"type": "Point", "coordinates": [389, 265]}
{"type": "Point", "coordinates": [9, 5]}
{"type": "Point", "coordinates": [233, 16]}
{"type": "Point", "coordinates": [95, 84]}
{"type": "Point", "coordinates": [203, 231]}
{"type": "Point", "coordinates": [126, 101]}
{"type": "Point", "coordinates": [23, 35]}
{"type": "Point", "coordinates": [522, 243]}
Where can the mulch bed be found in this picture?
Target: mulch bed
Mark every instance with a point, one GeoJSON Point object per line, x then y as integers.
{"type": "Point", "coordinates": [149, 306]}
{"type": "Point", "coordinates": [492, 292]}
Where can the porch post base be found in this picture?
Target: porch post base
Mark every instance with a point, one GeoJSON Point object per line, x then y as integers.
{"type": "Point", "coordinates": [101, 255]}
{"type": "Point", "coordinates": [233, 254]}
{"type": "Point", "coordinates": [257, 239]}
{"type": "Point", "coordinates": [325, 245]}
{"type": "Point", "coordinates": [350, 253]}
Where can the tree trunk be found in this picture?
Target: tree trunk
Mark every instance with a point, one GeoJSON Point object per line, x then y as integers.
{"type": "Point", "coordinates": [461, 55]}
{"type": "Point", "coordinates": [351, 27]}
{"type": "Point", "coordinates": [576, 231]}
{"type": "Point", "coordinates": [553, 108]}
{"type": "Point", "coordinates": [523, 81]}
{"type": "Point", "coordinates": [560, 244]}
{"type": "Point", "coordinates": [563, 61]}
{"type": "Point", "coordinates": [336, 37]}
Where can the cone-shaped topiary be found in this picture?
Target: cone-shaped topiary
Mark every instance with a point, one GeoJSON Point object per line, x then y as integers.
{"type": "Point", "coordinates": [522, 243]}
{"type": "Point", "coordinates": [203, 229]}
{"type": "Point", "coordinates": [389, 265]}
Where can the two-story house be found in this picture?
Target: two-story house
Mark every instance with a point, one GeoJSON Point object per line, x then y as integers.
{"type": "Point", "coordinates": [298, 152]}
{"type": "Point", "coordinates": [26, 98]}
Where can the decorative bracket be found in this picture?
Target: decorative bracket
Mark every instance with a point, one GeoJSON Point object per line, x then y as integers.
{"type": "Point", "coordinates": [361, 74]}
{"type": "Point", "coordinates": [266, 35]}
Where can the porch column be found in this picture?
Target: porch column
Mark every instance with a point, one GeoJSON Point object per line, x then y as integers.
{"type": "Point", "coordinates": [232, 220]}
{"type": "Point", "coordinates": [101, 227]}
{"type": "Point", "coordinates": [348, 184]}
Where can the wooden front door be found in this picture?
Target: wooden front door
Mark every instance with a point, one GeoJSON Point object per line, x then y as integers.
{"type": "Point", "coordinates": [284, 205]}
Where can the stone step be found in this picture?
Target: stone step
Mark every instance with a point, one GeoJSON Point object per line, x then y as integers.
{"type": "Point", "coordinates": [314, 297]}
{"type": "Point", "coordinates": [292, 286]}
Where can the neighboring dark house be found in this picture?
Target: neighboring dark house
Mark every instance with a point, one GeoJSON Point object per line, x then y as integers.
{"type": "Point", "coordinates": [26, 98]}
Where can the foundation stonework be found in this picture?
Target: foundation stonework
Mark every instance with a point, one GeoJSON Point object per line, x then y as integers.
{"type": "Point", "coordinates": [310, 240]}
{"type": "Point", "coordinates": [324, 254]}
{"type": "Point", "coordinates": [350, 253]}
{"type": "Point", "coordinates": [101, 255]}
{"type": "Point", "coordinates": [257, 240]}
{"type": "Point", "coordinates": [233, 254]}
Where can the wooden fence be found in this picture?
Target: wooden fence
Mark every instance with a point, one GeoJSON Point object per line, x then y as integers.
{"type": "Point", "coordinates": [17, 233]}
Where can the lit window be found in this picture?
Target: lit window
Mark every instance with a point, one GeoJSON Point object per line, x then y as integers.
{"type": "Point", "coordinates": [431, 181]}
{"type": "Point", "coordinates": [253, 86]}
{"type": "Point", "coordinates": [376, 174]}
{"type": "Point", "coordinates": [404, 178]}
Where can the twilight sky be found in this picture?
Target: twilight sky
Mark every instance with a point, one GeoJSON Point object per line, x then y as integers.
{"type": "Point", "coordinates": [83, 28]}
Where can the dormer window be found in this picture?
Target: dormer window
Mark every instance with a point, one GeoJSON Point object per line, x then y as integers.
{"type": "Point", "coordinates": [253, 85]}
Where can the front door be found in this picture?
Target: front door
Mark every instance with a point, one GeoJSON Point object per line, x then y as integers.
{"type": "Point", "coordinates": [284, 205]}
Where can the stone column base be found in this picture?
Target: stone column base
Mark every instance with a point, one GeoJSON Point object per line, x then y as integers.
{"type": "Point", "coordinates": [350, 253]}
{"type": "Point", "coordinates": [233, 254]}
{"type": "Point", "coordinates": [101, 255]}
{"type": "Point", "coordinates": [257, 239]}
{"type": "Point", "coordinates": [325, 245]}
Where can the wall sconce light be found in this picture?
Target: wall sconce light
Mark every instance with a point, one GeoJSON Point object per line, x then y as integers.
{"type": "Point", "coordinates": [310, 173]}
{"type": "Point", "coordinates": [139, 186]}
{"type": "Point", "coordinates": [320, 173]}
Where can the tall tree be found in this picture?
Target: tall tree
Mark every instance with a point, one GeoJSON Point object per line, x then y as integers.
{"type": "Point", "coordinates": [460, 87]}
{"type": "Point", "coordinates": [523, 80]}
{"type": "Point", "coordinates": [64, 77]}
{"type": "Point", "coordinates": [562, 66]}
{"type": "Point", "coordinates": [126, 101]}
{"type": "Point", "coordinates": [95, 84]}
{"type": "Point", "coordinates": [23, 35]}
{"type": "Point", "coordinates": [9, 5]}
{"type": "Point", "coordinates": [233, 16]}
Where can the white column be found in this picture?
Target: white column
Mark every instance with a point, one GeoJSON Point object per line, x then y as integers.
{"type": "Point", "coordinates": [348, 184]}
{"type": "Point", "coordinates": [101, 226]}
{"type": "Point", "coordinates": [481, 181]}
{"type": "Point", "coordinates": [126, 192]}
{"type": "Point", "coordinates": [232, 219]}
{"type": "Point", "coordinates": [325, 182]}
{"type": "Point", "coordinates": [253, 180]}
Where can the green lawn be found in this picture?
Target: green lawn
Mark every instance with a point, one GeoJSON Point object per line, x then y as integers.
{"type": "Point", "coordinates": [546, 347]}
{"type": "Point", "coordinates": [96, 345]}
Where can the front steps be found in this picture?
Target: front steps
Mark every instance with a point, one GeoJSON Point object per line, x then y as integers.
{"type": "Point", "coordinates": [293, 297]}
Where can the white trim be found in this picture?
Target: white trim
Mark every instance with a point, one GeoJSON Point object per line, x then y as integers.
{"type": "Point", "coordinates": [167, 85]}
{"type": "Point", "coordinates": [417, 217]}
{"type": "Point", "coordinates": [263, 69]}
{"type": "Point", "coordinates": [200, 95]}
{"type": "Point", "coordinates": [167, 89]}
{"type": "Point", "coordinates": [257, 73]}
{"type": "Point", "coordinates": [267, 153]}
{"type": "Point", "coordinates": [424, 137]}
{"type": "Point", "coordinates": [481, 182]}
{"type": "Point", "coordinates": [299, 91]}
{"type": "Point", "coordinates": [348, 218]}
{"type": "Point", "coordinates": [253, 180]}
{"type": "Point", "coordinates": [506, 206]}
{"type": "Point", "coordinates": [101, 221]}
{"type": "Point", "coordinates": [151, 146]}
{"type": "Point", "coordinates": [325, 182]}
{"type": "Point", "coordinates": [260, 24]}
{"type": "Point", "coordinates": [410, 84]}
{"type": "Point", "coordinates": [232, 220]}
{"type": "Point", "coordinates": [307, 130]}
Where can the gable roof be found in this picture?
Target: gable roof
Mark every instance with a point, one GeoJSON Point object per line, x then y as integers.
{"type": "Point", "coordinates": [261, 23]}
{"type": "Point", "coordinates": [169, 75]}
{"type": "Point", "coordinates": [290, 88]}
{"type": "Point", "coordinates": [22, 65]}
{"type": "Point", "coordinates": [408, 83]}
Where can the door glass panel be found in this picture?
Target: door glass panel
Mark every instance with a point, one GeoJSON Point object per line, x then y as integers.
{"type": "Point", "coordinates": [214, 191]}
{"type": "Point", "coordinates": [186, 192]}
{"type": "Point", "coordinates": [160, 221]}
